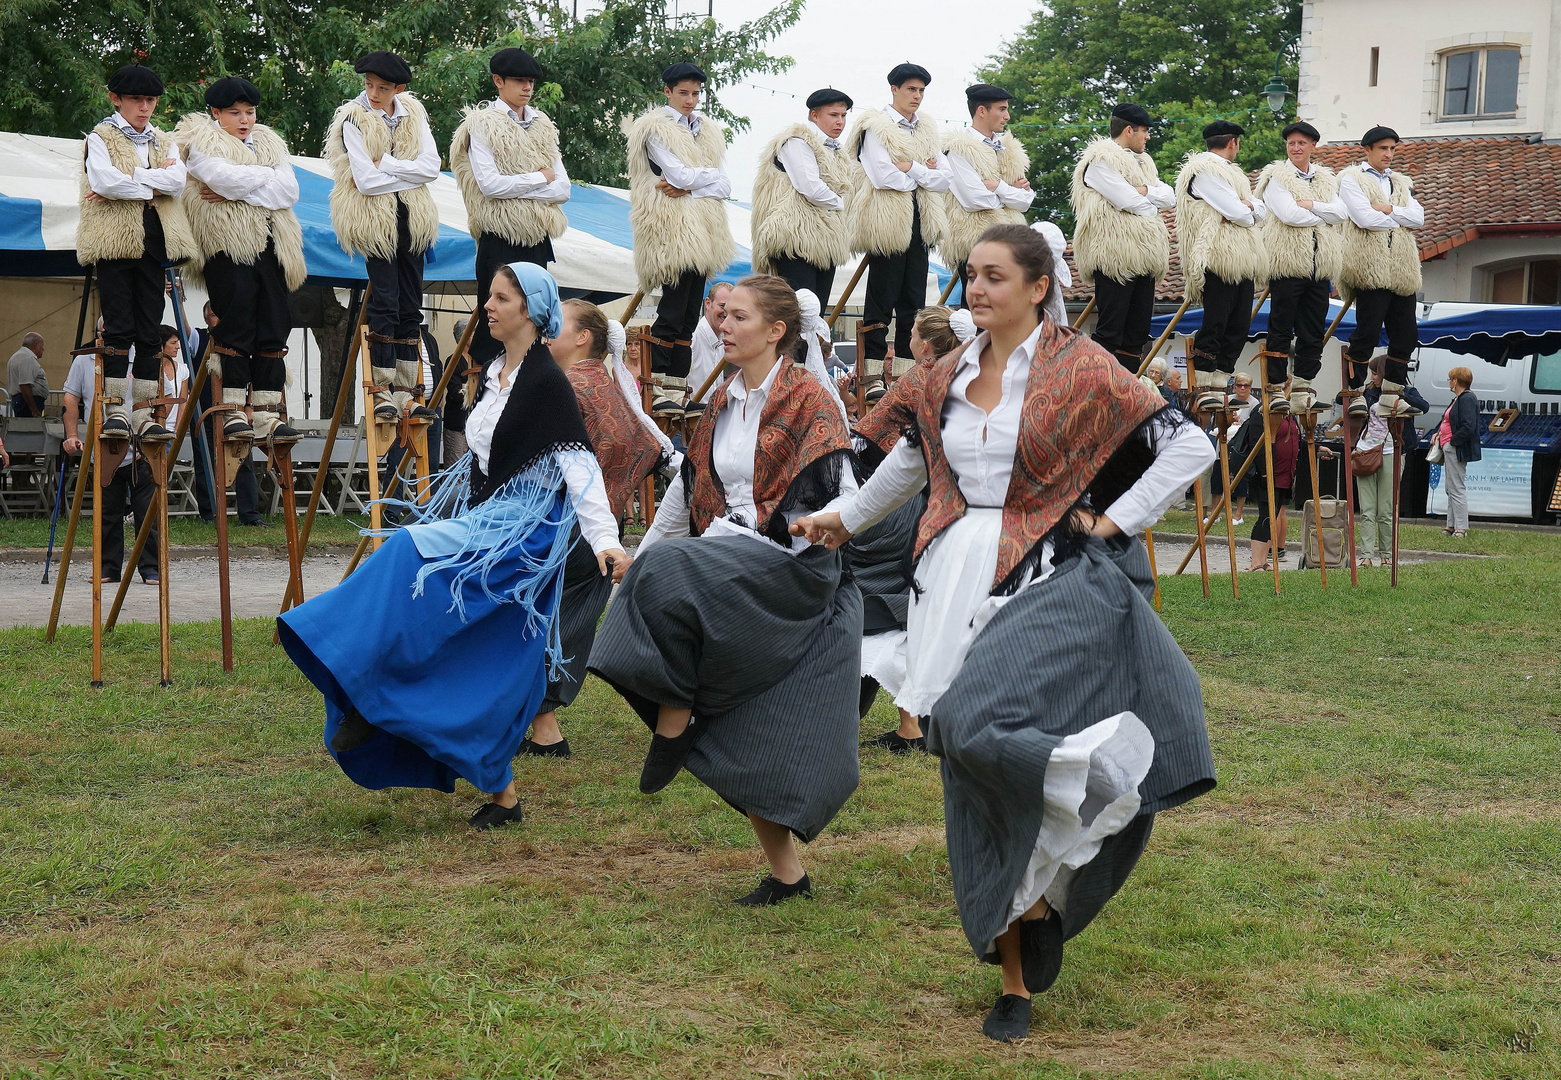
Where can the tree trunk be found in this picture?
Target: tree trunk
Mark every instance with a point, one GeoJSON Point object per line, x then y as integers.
{"type": "Point", "coordinates": [334, 337]}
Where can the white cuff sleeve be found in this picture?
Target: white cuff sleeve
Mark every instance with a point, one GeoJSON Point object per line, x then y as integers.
{"type": "Point", "coordinates": [900, 476]}
{"type": "Point", "coordinates": [583, 477]}
{"type": "Point", "coordinates": [1178, 461]}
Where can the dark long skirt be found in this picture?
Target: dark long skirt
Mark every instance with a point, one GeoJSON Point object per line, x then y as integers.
{"type": "Point", "coordinates": [1061, 656]}
{"type": "Point", "coordinates": [764, 648]}
{"type": "Point", "coordinates": [586, 592]}
{"type": "Point", "coordinates": [878, 563]}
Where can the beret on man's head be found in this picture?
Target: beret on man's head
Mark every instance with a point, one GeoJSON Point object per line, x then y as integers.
{"type": "Point", "coordinates": [225, 91]}
{"type": "Point", "coordinates": [133, 80]}
{"type": "Point", "coordinates": [986, 94]}
{"type": "Point", "coordinates": [1221, 128]}
{"type": "Point", "coordinates": [514, 64]}
{"type": "Point", "coordinates": [1377, 134]}
{"type": "Point", "coordinates": [828, 96]}
{"type": "Point", "coordinates": [903, 73]}
{"type": "Point", "coordinates": [683, 72]}
{"type": "Point", "coordinates": [387, 65]}
{"type": "Point", "coordinates": [1136, 115]}
{"type": "Point", "coordinates": [1301, 127]}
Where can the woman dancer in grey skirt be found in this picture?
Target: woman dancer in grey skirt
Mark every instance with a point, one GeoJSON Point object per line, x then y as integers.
{"type": "Point", "coordinates": [1065, 714]}
{"type": "Point", "coordinates": [736, 643]}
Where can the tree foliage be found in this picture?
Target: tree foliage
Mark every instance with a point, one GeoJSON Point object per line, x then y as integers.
{"type": "Point", "coordinates": [601, 67]}
{"type": "Point", "coordinates": [1186, 63]}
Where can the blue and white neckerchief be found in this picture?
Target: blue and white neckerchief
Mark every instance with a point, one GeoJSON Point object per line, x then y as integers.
{"type": "Point", "coordinates": [139, 138]}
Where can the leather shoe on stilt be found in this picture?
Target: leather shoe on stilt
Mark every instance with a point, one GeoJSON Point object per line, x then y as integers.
{"type": "Point", "coordinates": [490, 814]}
{"type": "Point", "coordinates": [352, 732]}
{"type": "Point", "coordinates": [665, 759]}
{"type": "Point", "coordinates": [1009, 1019]}
{"type": "Point", "coordinates": [774, 891]}
{"type": "Point", "coordinates": [1040, 951]}
{"type": "Point", "coordinates": [558, 749]}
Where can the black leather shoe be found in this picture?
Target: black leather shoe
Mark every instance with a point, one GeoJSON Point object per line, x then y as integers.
{"type": "Point", "coordinates": [774, 891]}
{"type": "Point", "coordinates": [558, 749]}
{"type": "Point", "coordinates": [421, 414]}
{"type": "Point", "coordinates": [665, 760]}
{"type": "Point", "coordinates": [490, 814]}
{"type": "Point", "coordinates": [896, 743]}
{"type": "Point", "coordinates": [352, 732]}
{"type": "Point", "coordinates": [1040, 951]}
{"type": "Point", "coordinates": [1009, 1019]}
{"type": "Point", "coordinates": [386, 413]}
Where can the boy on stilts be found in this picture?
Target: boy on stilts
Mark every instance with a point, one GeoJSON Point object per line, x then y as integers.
{"type": "Point", "coordinates": [987, 183]}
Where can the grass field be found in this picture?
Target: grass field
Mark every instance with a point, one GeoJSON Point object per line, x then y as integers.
{"type": "Point", "coordinates": [190, 888]}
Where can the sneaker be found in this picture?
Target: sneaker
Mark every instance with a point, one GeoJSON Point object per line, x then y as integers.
{"type": "Point", "coordinates": [1237, 520]}
{"type": "Point", "coordinates": [896, 743]}
{"type": "Point", "coordinates": [773, 891]}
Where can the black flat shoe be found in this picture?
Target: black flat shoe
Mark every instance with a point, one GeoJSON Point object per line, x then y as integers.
{"type": "Point", "coordinates": [665, 759]}
{"type": "Point", "coordinates": [558, 749]}
{"type": "Point", "coordinates": [1040, 951]}
{"type": "Point", "coordinates": [490, 814]}
{"type": "Point", "coordinates": [1009, 1019]}
{"type": "Point", "coordinates": [352, 732]}
{"type": "Point", "coordinates": [774, 891]}
{"type": "Point", "coordinates": [896, 743]}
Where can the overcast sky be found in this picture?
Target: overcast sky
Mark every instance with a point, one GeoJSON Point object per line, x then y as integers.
{"type": "Point", "coordinates": [852, 44]}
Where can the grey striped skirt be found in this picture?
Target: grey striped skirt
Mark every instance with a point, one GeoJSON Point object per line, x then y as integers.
{"type": "Point", "coordinates": [586, 591]}
{"type": "Point", "coordinates": [764, 648]}
{"type": "Point", "coordinates": [878, 563]}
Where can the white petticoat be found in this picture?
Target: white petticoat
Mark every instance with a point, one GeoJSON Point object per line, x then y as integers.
{"type": "Point", "coordinates": [883, 659]}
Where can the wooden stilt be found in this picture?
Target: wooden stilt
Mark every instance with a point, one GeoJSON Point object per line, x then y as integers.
{"type": "Point", "coordinates": [1160, 341]}
{"type": "Point", "coordinates": [221, 459]}
{"type": "Point", "coordinates": [1201, 419]}
{"type": "Point", "coordinates": [1220, 418]}
{"type": "Point", "coordinates": [1274, 543]}
{"type": "Point", "coordinates": [1089, 307]}
{"type": "Point", "coordinates": [856, 276]}
{"type": "Point", "coordinates": [83, 472]}
{"type": "Point", "coordinates": [947, 290]}
{"type": "Point", "coordinates": [157, 460]}
{"type": "Point", "coordinates": [1396, 432]}
{"type": "Point", "coordinates": [1349, 464]}
{"type": "Point", "coordinates": [1222, 505]}
{"type": "Point", "coordinates": [1262, 298]}
{"type": "Point", "coordinates": [1317, 501]}
{"type": "Point", "coordinates": [282, 466]}
{"type": "Point", "coordinates": [98, 407]}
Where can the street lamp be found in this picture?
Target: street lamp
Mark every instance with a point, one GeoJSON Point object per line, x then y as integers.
{"type": "Point", "coordinates": [1276, 91]}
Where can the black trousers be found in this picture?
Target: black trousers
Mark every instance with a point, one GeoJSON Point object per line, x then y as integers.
{"type": "Point", "coordinates": [395, 299]}
{"type": "Point", "coordinates": [677, 316]}
{"type": "Point", "coordinates": [130, 491]}
{"type": "Point", "coordinates": [1123, 310]}
{"type": "Point", "coordinates": [492, 253]}
{"type": "Point", "coordinates": [253, 317]}
{"type": "Point", "coordinates": [799, 274]}
{"type": "Point", "coordinates": [130, 292]}
{"type": "Point", "coordinates": [1298, 314]}
{"type": "Point", "coordinates": [1227, 315]}
{"type": "Point", "coordinates": [1374, 309]}
{"type": "Point", "coordinates": [896, 288]}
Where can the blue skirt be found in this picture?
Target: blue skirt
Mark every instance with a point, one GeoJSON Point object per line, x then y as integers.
{"type": "Point", "coordinates": [450, 698]}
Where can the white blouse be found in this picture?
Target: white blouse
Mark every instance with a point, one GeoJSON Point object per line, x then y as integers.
{"type": "Point", "coordinates": [582, 472]}
{"type": "Point", "coordinates": [980, 447]}
{"type": "Point", "coordinates": [733, 444]}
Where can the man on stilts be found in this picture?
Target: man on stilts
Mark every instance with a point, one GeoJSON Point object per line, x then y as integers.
{"type": "Point", "coordinates": [1120, 243]}
{"type": "Point", "coordinates": [987, 183]}
{"type": "Point", "coordinates": [1222, 255]}
{"type": "Point", "coordinates": [799, 206]}
{"type": "Point", "coordinates": [678, 189]}
{"type": "Point", "coordinates": [383, 158]}
{"type": "Point", "coordinates": [896, 215]}
{"type": "Point", "coordinates": [249, 252]}
{"type": "Point", "coordinates": [505, 158]}
{"type": "Point", "coordinates": [1381, 270]}
{"type": "Point", "coordinates": [1301, 235]}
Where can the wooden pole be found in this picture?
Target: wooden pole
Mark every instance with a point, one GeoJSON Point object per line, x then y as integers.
{"type": "Point", "coordinates": [1257, 307]}
{"type": "Point", "coordinates": [82, 472]}
{"type": "Point", "coordinates": [219, 466]}
{"type": "Point", "coordinates": [97, 525]}
{"type": "Point", "coordinates": [1317, 501]}
{"type": "Point", "coordinates": [1223, 504]}
{"type": "Point", "coordinates": [1273, 508]}
{"type": "Point", "coordinates": [159, 465]}
{"type": "Point", "coordinates": [1230, 522]}
{"type": "Point", "coordinates": [1396, 434]}
{"type": "Point", "coordinates": [1160, 341]}
{"type": "Point", "coordinates": [628, 312]}
{"type": "Point", "coordinates": [1349, 464]}
{"type": "Point", "coordinates": [850, 287]}
{"type": "Point", "coordinates": [1089, 307]}
{"type": "Point", "coordinates": [1337, 319]}
{"type": "Point", "coordinates": [947, 289]}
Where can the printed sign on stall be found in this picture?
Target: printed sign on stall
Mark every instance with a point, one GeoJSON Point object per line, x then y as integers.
{"type": "Point", "coordinates": [1498, 485]}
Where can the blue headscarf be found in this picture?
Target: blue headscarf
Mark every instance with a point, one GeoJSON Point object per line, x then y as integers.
{"type": "Point", "coordinates": [541, 293]}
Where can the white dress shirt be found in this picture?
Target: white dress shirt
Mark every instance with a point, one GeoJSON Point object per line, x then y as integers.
{"type": "Point", "coordinates": [1362, 213]}
{"type": "Point", "coordinates": [528, 185]}
{"type": "Point", "coordinates": [267, 186]}
{"type": "Point", "coordinates": [1124, 196]}
{"type": "Point", "coordinates": [802, 170]}
{"type": "Point", "coordinates": [970, 189]}
{"type": "Point", "coordinates": [1217, 192]}
{"type": "Point", "coordinates": [141, 185]}
{"type": "Point", "coordinates": [1283, 206]}
{"type": "Point", "coordinates": [886, 176]}
{"type": "Point", "coordinates": [700, 183]}
{"type": "Point", "coordinates": [733, 443]}
{"type": "Point", "coordinates": [705, 345]}
{"type": "Point", "coordinates": [390, 174]}
{"type": "Point", "coordinates": [980, 448]}
{"type": "Point", "coordinates": [582, 472]}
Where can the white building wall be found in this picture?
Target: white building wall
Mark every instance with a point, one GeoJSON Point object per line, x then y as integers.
{"type": "Point", "coordinates": [1463, 275]}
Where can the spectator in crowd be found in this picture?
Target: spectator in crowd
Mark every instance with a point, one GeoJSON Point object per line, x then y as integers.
{"type": "Point", "coordinates": [1171, 389]}
{"type": "Point", "coordinates": [25, 383]}
{"type": "Point", "coordinates": [175, 373]}
{"type": "Point", "coordinates": [1459, 437]}
{"type": "Point", "coordinates": [1154, 375]}
{"type": "Point", "coordinates": [1374, 491]}
{"type": "Point", "coordinates": [1286, 450]}
{"type": "Point", "coordinates": [131, 482]}
{"type": "Point", "coordinates": [454, 408]}
{"type": "Point", "coordinates": [1241, 401]}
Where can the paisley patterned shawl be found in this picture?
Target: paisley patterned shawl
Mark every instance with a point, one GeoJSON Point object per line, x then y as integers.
{"type": "Point", "coordinates": [626, 451]}
{"type": "Point", "coordinates": [885, 422]}
{"type": "Point", "coordinates": [803, 442]}
{"type": "Point", "coordinates": [1080, 405]}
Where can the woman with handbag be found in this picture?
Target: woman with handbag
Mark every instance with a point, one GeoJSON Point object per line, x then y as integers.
{"type": "Point", "coordinates": [1458, 440]}
{"type": "Point", "coordinates": [1371, 459]}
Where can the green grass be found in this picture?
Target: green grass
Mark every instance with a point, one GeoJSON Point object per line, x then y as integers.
{"type": "Point", "coordinates": [34, 532]}
{"type": "Point", "coordinates": [190, 888]}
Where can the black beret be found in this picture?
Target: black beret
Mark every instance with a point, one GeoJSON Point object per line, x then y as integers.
{"type": "Point", "coordinates": [133, 80]}
{"type": "Point", "coordinates": [1136, 115]}
{"type": "Point", "coordinates": [225, 91]}
{"type": "Point", "coordinates": [515, 64]}
{"type": "Point", "coordinates": [683, 72]}
{"type": "Point", "coordinates": [1223, 127]}
{"type": "Point", "coordinates": [1301, 127]}
{"type": "Point", "coordinates": [387, 65]}
{"type": "Point", "coordinates": [1377, 134]}
{"type": "Point", "coordinates": [903, 73]}
{"type": "Point", "coordinates": [981, 93]}
{"type": "Point", "coordinates": [828, 96]}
